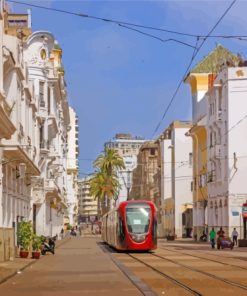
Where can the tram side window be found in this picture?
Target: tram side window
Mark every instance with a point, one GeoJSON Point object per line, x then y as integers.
{"type": "Point", "coordinates": [120, 229]}
{"type": "Point", "coordinates": [154, 229]}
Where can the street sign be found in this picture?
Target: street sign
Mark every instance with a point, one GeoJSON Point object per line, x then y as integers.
{"type": "Point", "coordinates": [92, 218]}
{"type": "Point", "coordinates": [244, 210]}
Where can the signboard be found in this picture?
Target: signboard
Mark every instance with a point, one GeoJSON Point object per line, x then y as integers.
{"type": "Point", "coordinates": [244, 210]}
{"type": "Point", "coordinates": [92, 219]}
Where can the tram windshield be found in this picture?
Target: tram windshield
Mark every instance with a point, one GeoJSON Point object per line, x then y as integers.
{"type": "Point", "coordinates": [138, 218]}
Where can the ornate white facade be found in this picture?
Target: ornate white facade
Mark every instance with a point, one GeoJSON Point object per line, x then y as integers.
{"type": "Point", "coordinates": [34, 125]}
{"type": "Point", "coordinates": [43, 59]}
{"type": "Point", "coordinates": [227, 153]}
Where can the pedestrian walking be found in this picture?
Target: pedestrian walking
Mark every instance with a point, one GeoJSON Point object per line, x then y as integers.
{"type": "Point", "coordinates": [212, 236]}
{"type": "Point", "coordinates": [235, 236]}
{"type": "Point", "coordinates": [220, 234]}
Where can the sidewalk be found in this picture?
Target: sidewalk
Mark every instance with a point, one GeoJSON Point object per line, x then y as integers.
{"type": "Point", "coordinates": [10, 268]}
{"type": "Point", "coordinates": [80, 267]}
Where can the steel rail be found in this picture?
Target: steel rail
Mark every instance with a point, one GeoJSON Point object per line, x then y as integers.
{"type": "Point", "coordinates": [209, 259]}
{"type": "Point", "coordinates": [204, 273]}
{"type": "Point", "coordinates": [192, 291]}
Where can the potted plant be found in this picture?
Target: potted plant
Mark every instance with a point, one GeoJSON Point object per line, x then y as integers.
{"type": "Point", "coordinates": [24, 234]}
{"type": "Point", "coordinates": [36, 244]}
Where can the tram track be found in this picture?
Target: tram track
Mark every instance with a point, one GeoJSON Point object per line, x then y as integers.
{"type": "Point", "coordinates": [208, 259]}
{"type": "Point", "coordinates": [229, 282]}
{"type": "Point", "coordinates": [176, 282]}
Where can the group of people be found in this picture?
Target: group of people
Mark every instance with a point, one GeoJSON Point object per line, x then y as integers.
{"type": "Point", "coordinates": [221, 234]}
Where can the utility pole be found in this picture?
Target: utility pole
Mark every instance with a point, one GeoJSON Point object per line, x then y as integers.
{"type": "Point", "coordinates": [128, 184]}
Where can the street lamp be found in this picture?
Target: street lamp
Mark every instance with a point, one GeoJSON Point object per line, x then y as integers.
{"type": "Point", "coordinates": [128, 184]}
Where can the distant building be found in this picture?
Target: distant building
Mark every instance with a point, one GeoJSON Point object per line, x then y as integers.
{"type": "Point", "coordinates": [87, 204]}
{"type": "Point", "coordinates": [143, 174]}
{"type": "Point", "coordinates": [72, 168]}
{"type": "Point", "coordinates": [127, 147]}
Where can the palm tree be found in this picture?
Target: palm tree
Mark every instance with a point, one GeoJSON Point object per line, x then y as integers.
{"type": "Point", "coordinates": [109, 161]}
{"type": "Point", "coordinates": [103, 187]}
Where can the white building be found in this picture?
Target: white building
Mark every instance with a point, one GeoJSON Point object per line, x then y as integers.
{"type": "Point", "coordinates": [88, 205]}
{"type": "Point", "coordinates": [72, 168]}
{"type": "Point", "coordinates": [18, 146]}
{"type": "Point", "coordinates": [227, 148]}
{"type": "Point", "coordinates": [127, 147]}
{"type": "Point", "coordinates": [176, 177]}
{"type": "Point", "coordinates": [42, 56]}
{"type": "Point", "coordinates": [218, 88]}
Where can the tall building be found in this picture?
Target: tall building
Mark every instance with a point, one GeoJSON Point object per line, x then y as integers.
{"type": "Point", "coordinates": [18, 146]}
{"type": "Point", "coordinates": [127, 147]}
{"type": "Point", "coordinates": [88, 206]}
{"type": "Point", "coordinates": [227, 149]}
{"type": "Point", "coordinates": [176, 178]}
{"type": "Point", "coordinates": [213, 98]}
{"type": "Point", "coordinates": [143, 174]}
{"type": "Point", "coordinates": [34, 124]}
{"type": "Point", "coordinates": [72, 168]}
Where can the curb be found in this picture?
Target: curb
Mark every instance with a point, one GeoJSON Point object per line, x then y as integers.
{"type": "Point", "coordinates": [63, 241]}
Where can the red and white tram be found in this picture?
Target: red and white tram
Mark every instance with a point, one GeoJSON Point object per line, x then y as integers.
{"type": "Point", "coordinates": [131, 226]}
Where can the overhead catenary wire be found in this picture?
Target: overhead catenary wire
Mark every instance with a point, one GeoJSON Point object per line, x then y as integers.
{"type": "Point", "coordinates": [126, 23]}
{"type": "Point", "coordinates": [156, 37]}
{"type": "Point", "coordinates": [189, 65]}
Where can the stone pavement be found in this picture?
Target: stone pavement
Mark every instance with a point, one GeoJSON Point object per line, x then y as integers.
{"type": "Point", "coordinates": [10, 268]}
{"type": "Point", "coordinates": [79, 267]}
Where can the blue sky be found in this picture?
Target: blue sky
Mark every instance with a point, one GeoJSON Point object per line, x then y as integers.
{"type": "Point", "coordinates": [121, 81]}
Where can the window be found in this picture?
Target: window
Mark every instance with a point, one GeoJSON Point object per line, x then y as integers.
{"type": "Point", "coordinates": [210, 139]}
{"type": "Point", "coordinates": [190, 159]}
{"type": "Point", "coordinates": [49, 100]}
{"type": "Point", "coordinates": [152, 151]}
{"type": "Point", "coordinates": [41, 94]}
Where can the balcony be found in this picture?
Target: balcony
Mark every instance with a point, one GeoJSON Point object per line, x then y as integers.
{"type": "Point", "coordinates": [52, 126]}
{"type": "Point", "coordinates": [52, 190]}
{"type": "Point", "coordinates": [16, 154]}
{"type": "Point", "coordinates": [7, 128]}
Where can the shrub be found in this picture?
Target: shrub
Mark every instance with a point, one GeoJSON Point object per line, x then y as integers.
{"type": "Point", "coordinates": [25, 234]}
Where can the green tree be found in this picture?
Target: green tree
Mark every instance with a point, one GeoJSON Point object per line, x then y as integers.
{"type": "Point", "coordinates": [104, 185]}
{"type": "Point", "coordinates": [109, 161]}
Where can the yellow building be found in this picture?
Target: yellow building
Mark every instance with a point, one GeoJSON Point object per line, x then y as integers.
{"type": "Point", "coordinates": [201, 79]}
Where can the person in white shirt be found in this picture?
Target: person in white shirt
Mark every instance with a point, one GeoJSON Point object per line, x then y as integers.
{"type": "Point", "coordinates": [235, 236]}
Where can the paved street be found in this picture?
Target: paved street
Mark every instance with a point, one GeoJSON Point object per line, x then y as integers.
{"type": "Point", "coordinates": [79, 267]}
{"type": "Point", "coordinates": [83, 266]}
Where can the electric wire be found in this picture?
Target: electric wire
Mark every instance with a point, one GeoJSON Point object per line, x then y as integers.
{"type": "Point", "coordinates": [156, 37]}
{"type": "Point", "coordinates": [189, 65]}
{"type": "Point", "coordinates": [126, 23]}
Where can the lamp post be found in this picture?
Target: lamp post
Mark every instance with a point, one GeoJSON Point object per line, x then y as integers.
{"type": "Point", "coordinates": [128, 184]}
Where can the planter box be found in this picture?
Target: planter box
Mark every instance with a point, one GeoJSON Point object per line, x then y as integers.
{"type": "Point", "coordinates": [242, 242]}
{"type": "Point", "coordinates": [24, 254]}
{"type": "Point", "coordinates": [36, 255]}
